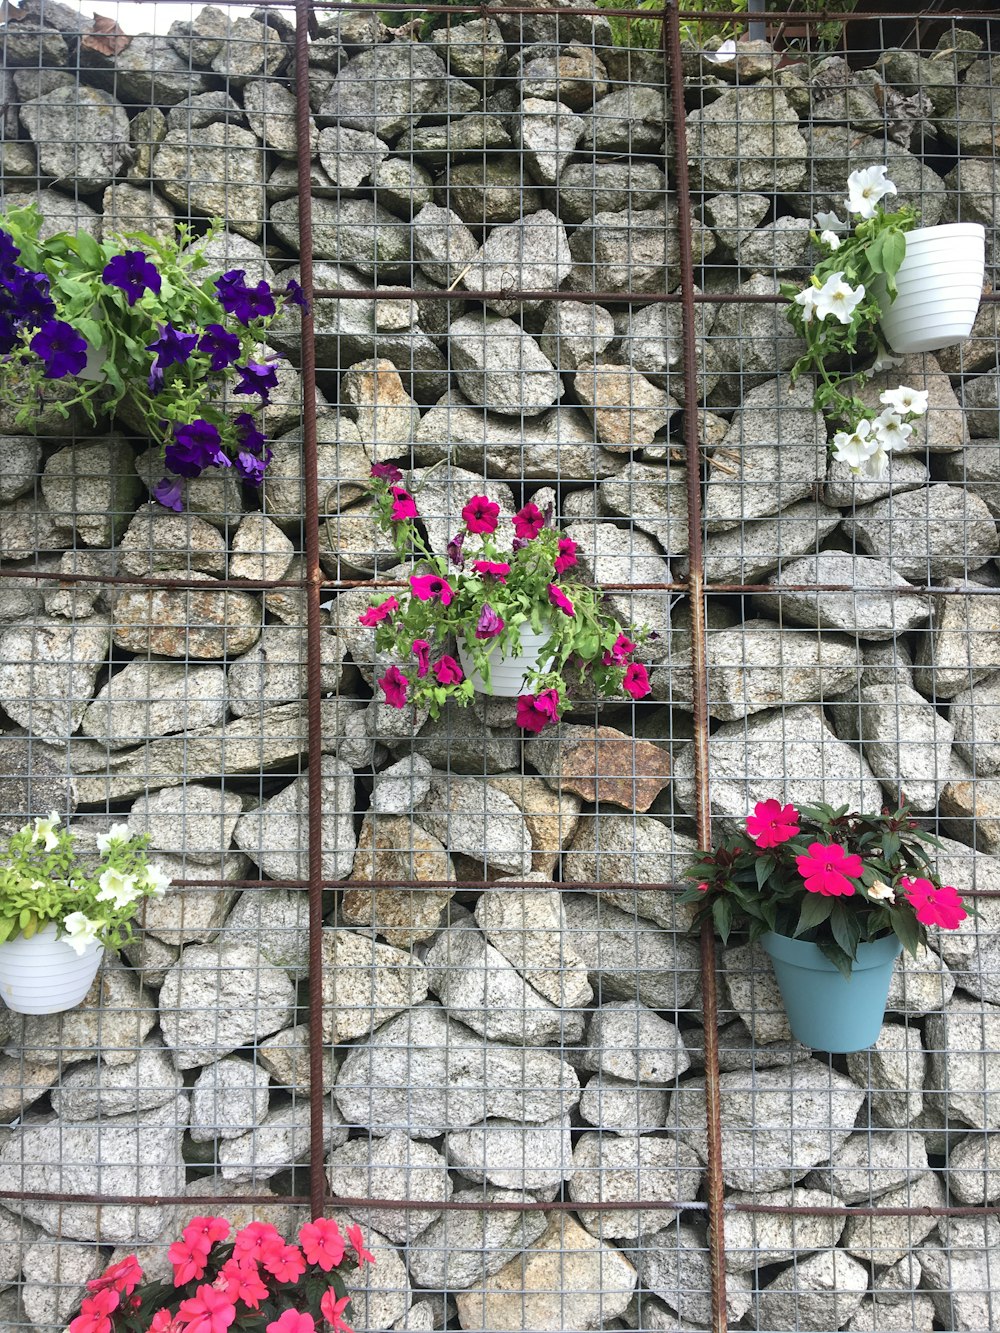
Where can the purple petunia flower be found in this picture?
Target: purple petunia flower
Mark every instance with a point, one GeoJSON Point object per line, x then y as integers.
{"type": "Point", "coordinates": [455, 550]}
{"type": "Point", "coordinates": [168, 491]}
{"type": "Point", "coordinates": [490, 623]}
{"type": "Point", "coordinates": [172, 348]}
{"type": "Point", "coordinates": [24, 297]}
{"type": "Point", "coordinates": [62, 349]}
{"type": "Point", "coordinates": [295, 294]}
{"type": "Point", "coordinates": [133, 273]}
{"type": "Point", "coordinates": [257, 378]}
{"type": "Point", "coordinates": [251, 437]}
{"type": "Point", "coordinates": [195, 446]}
{"type": "Point", "coordinates": [251, 468]}
{"type": "Point", "coordinates": [246, 303]}
{"type": "Point", "coordinates": [219, 344]}
{"type": "Point", "coordinates": [8, 250]}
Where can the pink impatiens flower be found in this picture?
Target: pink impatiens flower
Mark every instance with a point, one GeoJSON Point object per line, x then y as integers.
{"type": "Point", "coordinates": [427, 587]}
{"type": "Point", "coordinates": [292, 1322]}
{"type": "Point", "coordinates": [188, 1261]}
{"type": "Point", "coordinates": [422, 652]}
{"type": "Point", "coordinates": [447, 671]}
{"type": "Point", "coordinates": [494, 569]}
{"type": "Point", "coordinates": [241, 1281]}
{"type": "Point", "coordinates": [481, 514]}
{"type": "Point", "coordinates": [252, 1240]}
{"type": "Point", "coordinates": [332, 1309]}
{"type": "Point", "coordinates": [163, 1322]}
{"type": "Point", "coordinates": [772, 823]}
{"type": "Point", "coordinates": [636, 680]}
{"type": "Point", "coordinates": [95, 1313]}
{"type": "Point", "coordinates": [210, 1311]}
{"type": "Point", "coordinates": [558, 598]}
{"type": "Point", "coordinates": [322, 1243]}
{"type": "Point", "coordinates": [934, 906]}
{"type": "Point", "coordinates": [206, 1231]}
{"type": "Point", "coordinates": [356, 1237]}
{"type": "Point", "coordinates": [528, 522]}
{"type": "Point", "coordinates": [374, 615]}
{"type": "Point", "coordinates": [124, 1276]}
{"type": "Point", "coordinates": [825, 868]}
{"type": "Point", "coordinates": [284, 1262]}
{"type": "Point", "coordinates": [566, 558]}
{"type": "Point", "coordinates": [536, 711]}
{"type": "Point", "coordinates": [394, 685]}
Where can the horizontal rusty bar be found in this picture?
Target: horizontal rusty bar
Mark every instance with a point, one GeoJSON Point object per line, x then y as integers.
{"type": "Point", "coordinates": [557, 294]}
{"type": "Point", "coordinates": [166, 583]}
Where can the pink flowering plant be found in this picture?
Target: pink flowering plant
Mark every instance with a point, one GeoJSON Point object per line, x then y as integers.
{"type": "Point", "coordinates": [225, 1283]}
{"type": "Point", "coordinates": [483, 598]}
{"type": "Point", "coordinates": [830, 877]}
{"type": "Point", "coordinates": [144, 320]}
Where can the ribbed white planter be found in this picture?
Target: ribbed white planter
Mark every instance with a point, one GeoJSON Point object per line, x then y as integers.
{"type": "Point", "coordinates": [44, 975]}
{"type": "Point", "coordinates": [507, 674]}
{"type": "Point", "coordinates": [940, 285]}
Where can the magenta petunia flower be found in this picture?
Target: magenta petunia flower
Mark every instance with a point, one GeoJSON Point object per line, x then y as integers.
{"type": "Point", "coordinates": [826, 867]}
{"type": "Point", "coordinates": [934, 906]}
{"type": "Point", "coordinates": [374, 615]}
{"type": "Point", "coordinates": [772, 823]}
{"type": "Point", "coordinates": [636, 680]}
{"type": "Point", "coordinates": [447, 671]}
{"type": "Point", "coordinates": [394, 685]}
{"type": "Point", "coordinates": [403, 506]}
{"type": "Point", "coordinates": [386, 472]}
{"type": "Point", "coordinates": [537, 711]}
{"type": "Point", "coordinates": [558, 598]}
{"type": "Point", "coordinates": [431, 587]}
{"type": "Point", "coordinates": [494, 569]}
{"type": "Point", "coordinates": [566, 558]}
{"type": "Point", "coordinates": [490, 624]}
{"type": "Point", "coordinates": [422, 652]}
{"type": "Point", "coordinates": [618, 651]}
{"type": "Point", "coordinates": [455, 550]}
{"type": "Point", "coordinates": [481, 514]}
{"type": "Point", "coordinates": [528, 522]}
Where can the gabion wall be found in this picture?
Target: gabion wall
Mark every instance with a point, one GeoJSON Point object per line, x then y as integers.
{"type": "Point", "coordinates": [494, 1044]}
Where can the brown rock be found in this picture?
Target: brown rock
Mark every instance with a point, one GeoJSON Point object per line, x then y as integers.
{"type": "Point", "coordinates": [626, 409]}
{"type": "Point", "coordinates": [602, 765]}
{"type": "Point", "coordinates": [390, 849]}
{"type": "Point", "coordinates": [186, 622]}
{"type": "Point", "coordinates": [550, 814]}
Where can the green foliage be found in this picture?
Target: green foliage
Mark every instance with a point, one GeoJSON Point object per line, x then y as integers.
{"type": "Point", "coordinates": [647, 33]}
{"type": "Point", "coordinates": [44, 879]}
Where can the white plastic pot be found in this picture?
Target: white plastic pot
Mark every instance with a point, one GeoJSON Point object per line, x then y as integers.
{"type": "Point", "coordinates": [44, 975]}
{"type": "Point", "coordinates": [507, 674]}
{"type": "Point", "coordinates": [940, 286]}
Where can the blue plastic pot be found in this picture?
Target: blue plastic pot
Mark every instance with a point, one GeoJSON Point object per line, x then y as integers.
{"type": "Point", "coordinates": [825, 1010]}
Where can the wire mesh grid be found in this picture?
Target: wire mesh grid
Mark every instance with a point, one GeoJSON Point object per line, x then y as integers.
{"type": "Point", "coordinates": [432, 976]}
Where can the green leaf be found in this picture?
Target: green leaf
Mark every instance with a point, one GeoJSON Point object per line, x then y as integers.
{"type": "Point", "coordinates": [88, 250]}
{"type": "Point", "coordinates": [907, 928]}
{"type": "Point", "coordinates": [722, 915]}
{"type": "Point", "coordinates": [845, 929]}
{"type": "Point", "coordinates": [763, 868]}
{"type": "Point", "coordinates": [816, 908]}
{"type": "Point", "coordinates": [893, 252]}
{"type": "Point", "coordinates": [874, 253]}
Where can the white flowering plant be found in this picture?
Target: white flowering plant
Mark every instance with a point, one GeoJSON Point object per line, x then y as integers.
{"type": "Point", "coordinates": [838, 315]}
{"type": "Point", "coordinates": [44, 879]}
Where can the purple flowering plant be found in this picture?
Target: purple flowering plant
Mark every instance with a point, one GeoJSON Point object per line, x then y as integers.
{"type": "Point", "coordinates": [146, 323]}
{"type": "Point", "coordinates": [477, 600]}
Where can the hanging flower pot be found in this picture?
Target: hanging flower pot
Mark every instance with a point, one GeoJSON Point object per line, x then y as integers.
{"type": "Point", "coordinates": [508, 673]}
{"type": "Point", "coordinates": [826, 1010]}
{"type": "Point", "coordinates": [45, 975]}
{"type": "Point", "coordinates": [939, 287]}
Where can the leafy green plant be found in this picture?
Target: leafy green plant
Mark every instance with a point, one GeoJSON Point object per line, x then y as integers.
{"type": "Point", "coordinates": [648, 33]}
{"type": "Point", "coordinates": [44, 880]}
{"type": "Point", "coordinates": [828, 876]}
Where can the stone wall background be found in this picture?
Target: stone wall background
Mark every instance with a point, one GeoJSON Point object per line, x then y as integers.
{"type": "Point", "coordinates": [499, 1041]}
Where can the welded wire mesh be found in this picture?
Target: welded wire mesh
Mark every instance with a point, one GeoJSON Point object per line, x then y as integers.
{"type": "Point", "coordinates": [432, 976]}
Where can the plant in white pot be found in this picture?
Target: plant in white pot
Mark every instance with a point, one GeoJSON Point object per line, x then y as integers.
{"type": "Point", "coordinates": [879, 280]}
{"type": "Point", "coordinates": [833, 897]}
{"type": "Point", "coordinates": [60, 910]}
{"type": "Point", "coordinates": [517, 618]}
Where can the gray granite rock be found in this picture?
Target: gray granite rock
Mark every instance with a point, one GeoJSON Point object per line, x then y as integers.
{"type": "Point", "coordinates": [513, 1156]}
{"type": "Point", "coordinates": [392, 1167]}
{"type": "Point", "coordinates": [350, 231]}
{"type": "Point", "coordinates": [960, 646]}
{"type": "Point", "coordinates": [819, 1292]}
{"type": "Point", "coordinates": [501, 367]}
{"type": "Point", "coordinates": [623, 1106]}
{"type": "Point", "coordinates": [674, 1265]}
{"type": "Point", "coordinates": [632, 1042]}
{"type": "Point", "coordinates": [98, 148]}
{"type": "Point", "coordinates": [593, 186]}
{"type": "Point", "coordinates": [755, 1240]}
{"type": "Point", "coordinates": [626, 957]}
{"type": "Point", "coordinates": [94, 1089]}
{"type": "Point", "coordinates": [868, 606]}
{"type": "Point", "coordinates": [386, 89]}
{"type": "Point", "coordinates": [864, 1167]}
{"type": "Point", "coordinates": [620, 251]}
{"type": "Point", "coordinates": [758, 126]}
{"type": "Point", "coordinates": [229, 1097]}
{"type": "Point", "coordinates": [927, 534]}
{"type": "Point", "coordinates": [281, 1140]}
{"type": "Point", "coordinates": [961, 1041]}
{"type": "Point", "coordinates": [196, 822]}
{"type": "Point", "coordinates": [550, 132]}
{"type": "Point", "coordinates": [531, 254]}
{"type": "Point", "coordinates": [477, 821]}
{"type": "Point", "coordinates": [48, 669]}
{"type": "Point", "coordinates": [606, 1168]}
{"type": "Point", "coordinates": [54, 1279]}
{"type": "Point", "coordinates": [219, 175]}
{"type": "Point", "coordinates": [274, 836]}
{"type": "Point", "coordinates": [461, 1248]}
{"type": "Point", "coordinates": [894, 1069]}
{"type": "Point", "coordinates": [365, 983]}
{"type": "Point", "coordinates": [530, 930]}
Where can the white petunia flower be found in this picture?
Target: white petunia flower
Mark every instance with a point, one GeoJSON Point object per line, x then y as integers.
{"type": "Point", "coordinates": [876, 465]}
{"type": "Point", "coordinates": [906, 401]}
{"type": "Point", "coordinates": [892, 430]}
{"type": "Point", "coordinates": [855, 448]}
{"type": "Point", "coordinates": [830, 222]}
{"type": "Point", "coordinates": [156, 880]}
{"type": "Point", "coordinates": [117, 889]}
{"type": "Point", "coordinates": [881, 892]}
{"type": "Point", "coordinates": [79, 932]}
{"type": "Point", "coordinates": [116, 833]}
{"type": "Point", "coordinates": [838, 298]}
{"type": "Point", "coordinates": [807, 298]}
{"type": "Point", "coordinates": [725, 53]}
{"type": "Point", "coordinates": [865, 189]}
{"type": "Point", "coordinates": [44, 831]}
{"type": "Point", "coordinates": [885, 361]}
{"type": "Point", "coordinates": [831, 239]}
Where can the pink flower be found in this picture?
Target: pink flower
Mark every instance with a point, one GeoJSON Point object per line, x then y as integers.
{"type": "Point", "coordinates": [205, 1231]}
{"type": "Point", "coordinates": [403, 504]}
{"type": "Point", "coordinates": [772, 823]}
{"type": "Point", "coordinates": [251, 1242]}
{"type": "Point", "coordinates": [428, 586]}
{"type": "Point", "coordinates": [322, 1242]}
{"type": "Point", "coordinates": [95, 1312]}
{"type": "Point", "coordinates": [703, 887]}
{"type": "Point", "coordinates": [188, 1260]}
{"type": "Point", "coordinates": [492, 569]}
{"type": "Point", "coordinates": [566, 558]}
{"type": "Point", "coordinates": [210, 1311]}
{"type": "Point", "coordinates": [490, 623]}
{"type": "Point", "coordinates": [386, 472]}
{"type": "Point", "coordinates": [422, 652]}
{"type": "Point", "coordinates": [355, 1236]}
{"type": "Point", "coordinates": [481, 514]}
{"type": "Point", "coordinates": [394, 685]}
{"type": "Point", "coordinates": [164, 1322]}
{"type": "Point", "coordinates": [636, 680]}
{"type": "Point", "coordinates": [124, 1276]}
{"type": "Point", "coordinates": [284, 1262]}
{"type": "Point", "coordinates": [825, 868]}
{"type": "Point", "coordinates": [292, 1322]}
{"type": "Point", "coordinates": [447, 671]}
{"type": "Point", "coordinates": [558, 598]}
{"type": "Point", "coordinates": [536, 711]}
{"type": "Point", "coordinates": [375, 614]}
{"type": "Point", "coordinates": [528, 522]}
{"type": "Point", "coordinates": [332, 1309]}
{"type": "Point", "coordinates": [241, 1281]}
{"type": "Point", "coordinates": [455, 550]}
{"type": "Point", "coordinates": [618, 651]}
{"type": "Point", "coordinates": [934, 906]}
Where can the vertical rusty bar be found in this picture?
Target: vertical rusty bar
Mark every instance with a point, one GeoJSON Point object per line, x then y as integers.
{"type": "Point", "coordinates": [314, 578]}
{"type": "Point", "coordinates": [699, 687]}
